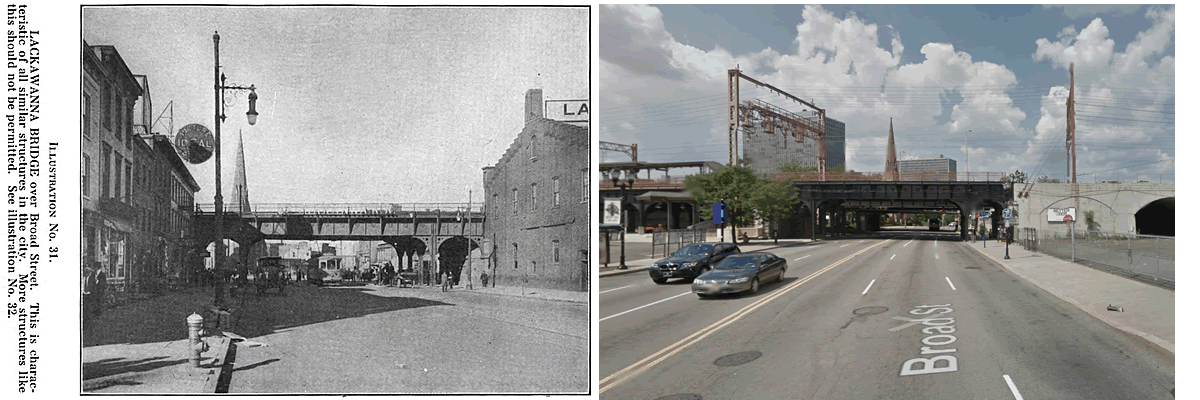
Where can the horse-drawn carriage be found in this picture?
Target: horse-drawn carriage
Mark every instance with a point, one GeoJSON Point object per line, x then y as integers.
{"type": "Point", "coordinates": [269, 273]}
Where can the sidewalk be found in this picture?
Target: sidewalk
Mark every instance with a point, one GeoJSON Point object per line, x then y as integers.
{"type": "Point", "coordinates": [1149, 310]}
{"type": "Point", "coordinates": [529, 293]}
{"type": "Point", "coordinates": [645, 263]}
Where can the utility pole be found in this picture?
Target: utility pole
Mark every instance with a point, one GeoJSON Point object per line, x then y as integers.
{"type": "Point", "coordinates": [733, 115]}
{"type": "Point", "coordinates": [1071, 139]}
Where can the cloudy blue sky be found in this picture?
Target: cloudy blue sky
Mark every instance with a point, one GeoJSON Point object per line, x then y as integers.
{"type": "Point", "coordinates": [939, 71]}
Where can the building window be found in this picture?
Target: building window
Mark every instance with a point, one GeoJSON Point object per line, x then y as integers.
{"type": "Point", "coordinates": [514, 201]}
{"type": "Point", "coordinates": [85, 123]}
{"type": "Point", "coordinates": [85, 180]}
{"type": "Point", "coordinates": [584, 187]}
{"type": "Point", "coordinates": [105, 169]}
{"type": "Point", "coordinates": [532, 197]}
{"type": "Point", "coordinates": [533, 147]}
{"type": "Point", "coordinates": [120, 162]}
{"type": "Point", "coordinates": [116, 114]}
{"type": "Point", "coordinates": [556, 191]}
{"type": "Point", "coordinates": [514, 256]}
{"type": "Point", "coordinates": [128, 182]}
{"type": "Point", "coordinates": [106, 106]}
{"type": "Point", "coordinates": [554, 245]}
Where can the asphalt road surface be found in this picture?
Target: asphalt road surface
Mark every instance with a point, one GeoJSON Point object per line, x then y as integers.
{"type": "Point", "coordinates": [898, 315]}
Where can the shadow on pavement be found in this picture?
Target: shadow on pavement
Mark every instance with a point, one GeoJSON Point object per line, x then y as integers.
{"type": "Point", "coordinates": [114, 366]}
{"type": "Point", "coordinates": [163, 318]}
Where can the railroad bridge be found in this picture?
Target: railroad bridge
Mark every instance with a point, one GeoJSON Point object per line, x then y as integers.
{"type": "Point", "coordinates": [413, 229]}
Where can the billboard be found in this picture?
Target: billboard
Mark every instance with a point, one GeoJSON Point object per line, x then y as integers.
{"type": "Point", "coordinates": [612, 211]}
{"type": "Point", "coordinates": [568, 110]}
{"type": "Point", "coordinates": [1060, 214]}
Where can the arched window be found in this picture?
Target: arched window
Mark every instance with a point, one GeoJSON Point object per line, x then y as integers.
{"type": "Point", "coordinates": [533, 143]}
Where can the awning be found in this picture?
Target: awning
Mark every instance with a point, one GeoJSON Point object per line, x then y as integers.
{"type": "Point", "coordinates": [665, 195]}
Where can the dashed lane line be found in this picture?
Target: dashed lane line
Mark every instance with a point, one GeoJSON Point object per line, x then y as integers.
{"type": "Point", "coordinates": [798, 259]}
{"type": "Point", "coordinates": [611, 290]}
{"type": "Point", "coordinates": [844, 245]}
{"type": "Point", "coordinates": [951, 283]}
{"type": "Point", "coordinates": [1013, 387]}
{"type": "Point", "coordinates": [868, 286]}
{"type": "Point", "coordinates": [648, 305]}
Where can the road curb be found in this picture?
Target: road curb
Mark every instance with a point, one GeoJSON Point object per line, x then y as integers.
{"type": "Point", "coordinates": [1154, 341]}
{"type": "Point", "coordinates": [527, 297]}
{"type": "Point", "coordinates": [213, 376]}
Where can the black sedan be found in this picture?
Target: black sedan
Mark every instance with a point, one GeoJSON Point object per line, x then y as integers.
{"type": "Point", "coordinates": [740, 273]}
{"type": "Point", "coordinates": [691, 261]}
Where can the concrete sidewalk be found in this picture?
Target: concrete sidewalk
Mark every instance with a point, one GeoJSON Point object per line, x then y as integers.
{"type": "Point", "coordinates": [645, 263]}
{"type": "Point", "coordinates": [1149, 310]}
{"type": "Point", "coordinates": [529, 293]}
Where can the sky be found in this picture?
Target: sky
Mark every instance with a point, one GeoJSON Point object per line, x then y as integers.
{"type": "Point", "coordinates": [992, 79]}
{"type": "Point", "coordinates": [356, 104]}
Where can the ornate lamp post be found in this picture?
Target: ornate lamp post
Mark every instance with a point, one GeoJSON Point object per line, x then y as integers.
{"type": "Point", "coordinates": [219, 88]}
{"type": "Point", "coordinates": [615, 176]}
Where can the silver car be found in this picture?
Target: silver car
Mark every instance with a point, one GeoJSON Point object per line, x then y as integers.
{"type": "Point", "coordinates": [740, 273]}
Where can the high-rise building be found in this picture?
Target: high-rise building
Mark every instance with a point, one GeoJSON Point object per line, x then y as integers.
{"type": "Point", "coordinates": [930, 167]}
{"type": "Point", "coordinates": [768, 150]}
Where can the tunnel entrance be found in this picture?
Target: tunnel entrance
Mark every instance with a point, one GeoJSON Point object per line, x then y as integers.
{"type": "Point", "coordinates": [1157, 218]}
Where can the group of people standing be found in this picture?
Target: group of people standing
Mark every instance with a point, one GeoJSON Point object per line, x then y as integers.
{"type": "Point", "coordinates": [94, 292]}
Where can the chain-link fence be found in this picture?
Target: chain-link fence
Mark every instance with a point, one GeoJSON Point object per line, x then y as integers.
{"type": "Point", "coordinates": [1145, 257]}
{"type": "Point", "coordinates": [664, 242]}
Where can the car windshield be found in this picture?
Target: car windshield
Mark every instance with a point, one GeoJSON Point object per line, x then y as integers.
{"type": "Point", "coordinates": [737, 262]}
{"type": "Point", "coordinates": [694, 250]}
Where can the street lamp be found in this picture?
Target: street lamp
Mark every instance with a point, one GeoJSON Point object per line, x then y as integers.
{"type": "Point", "coordinates": [219, 88]}
{"type": "Point", "coordinates": [615, 176]}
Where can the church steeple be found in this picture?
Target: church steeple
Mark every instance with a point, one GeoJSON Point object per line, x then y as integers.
{"type": "Point", "coordinates": [241, 193]}
{"type": "Point", "coordinates": [891, 169]}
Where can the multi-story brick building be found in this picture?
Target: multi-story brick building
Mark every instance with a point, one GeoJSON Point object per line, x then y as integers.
{"type": "Point", "coordinates": [538, 202]}
{"type": "Point", "coordinates": [135, 193]}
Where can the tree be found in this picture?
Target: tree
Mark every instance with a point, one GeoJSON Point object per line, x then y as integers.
{"type": "Point", "coordinates": [772, 200]}
{"type": "Point", "coordinates": [792, 167]}
{"type": "Point", "coordinates": [733, 185]}
{"type": "Point", "coordinates": [1016, 177]}
{"type": "Point", "coordinates": [1047, 179]}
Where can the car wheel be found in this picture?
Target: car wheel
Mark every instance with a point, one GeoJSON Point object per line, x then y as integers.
{"type": "Point", "coordinates": [754, 286]}
{"type": "Point", "coordinates": [781, 272]}
{"type": "Point", "coordinates": [703, 296]}
{"type": "Point", "coordinates": [659, 280]}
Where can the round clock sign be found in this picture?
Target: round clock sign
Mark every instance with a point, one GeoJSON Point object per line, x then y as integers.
{"type": "Point", "coordinates": [194, 143]}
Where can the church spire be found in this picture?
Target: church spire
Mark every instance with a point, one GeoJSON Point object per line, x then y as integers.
{"type": "Point", "coordinates": [891, 169]}
{"type": "Point", "coordinates": [241, 194]}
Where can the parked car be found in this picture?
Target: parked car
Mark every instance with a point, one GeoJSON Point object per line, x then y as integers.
{"type": "Point", "coordinates": [953, 226]}
{"type": "Point", "coordinates": [740, 273]}
{"type": "Point", "coordinates": [691, 261]}
{"type": "Point", "coordinates": [935, 225]}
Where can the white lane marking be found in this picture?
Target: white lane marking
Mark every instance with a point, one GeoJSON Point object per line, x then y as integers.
{"type": "Point", "coordinates": [860, 241]}
{"type": "Point", "coordinates": [909, 241]}
{"type": "Point", "coordinates": [610, 290]}
{"type": "Point", "coordinates": [868, 286]}
{"type": "Point", "coordinates": [934, 256]}
{"type": "Point", "coordinates": [951, 283]}
{"type": "Point", "coordinates": [1013, 388]}
{"type": "Point", "coordinates": [893, 256]}
{"type": "Point", "coordinates": [844, 245]}
{"type": "Point", "coordinates": [648, 305]}
{"type": "Point", "coordinates": [803, 257]}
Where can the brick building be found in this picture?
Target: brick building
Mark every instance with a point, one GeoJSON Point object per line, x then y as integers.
{"type": "Point", "coordinates": [538, 205]}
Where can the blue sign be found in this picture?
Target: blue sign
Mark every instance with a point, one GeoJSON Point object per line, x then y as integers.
{"type": "Point", "coordinates": [1007, 213]}
{"type": "Point", "coordinates": [719, 213]}
{"type": "Point", "coordinates": [985, 214]}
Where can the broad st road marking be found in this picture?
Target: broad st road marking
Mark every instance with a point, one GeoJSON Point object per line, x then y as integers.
{"type": "Point", "coordinates": [943, 327]}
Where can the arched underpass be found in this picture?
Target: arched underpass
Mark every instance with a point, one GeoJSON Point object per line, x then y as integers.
{"type": "Point", "coordinates": [1156, 218]}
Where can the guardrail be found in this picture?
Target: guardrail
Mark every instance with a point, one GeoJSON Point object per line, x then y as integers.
{"type": "Point", "coordinates": [350, 208]}
{"type": "Point", "coordinates": [1141, 256]}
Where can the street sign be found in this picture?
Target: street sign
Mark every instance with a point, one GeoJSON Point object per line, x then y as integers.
{"type": "Point", "coordinates": [1007, 213]}
{"type": "Point", "coordinates": [194, 143]}
{"type": "Point", "coordinates": [719, 216]}
{"type": "Point", "coordinates": [1007, 223]}
{"type": "Point", "coordinates": [612, 211]}
{"type": "Point", "coordinates": [985, 214]}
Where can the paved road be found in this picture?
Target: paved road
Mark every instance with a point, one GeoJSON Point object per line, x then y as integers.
{"type": "Point", "coordinates": [404, 340]}
{"type": "Point", "coordinates": [821, 337]}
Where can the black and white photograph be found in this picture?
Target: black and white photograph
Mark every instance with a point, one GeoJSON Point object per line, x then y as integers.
{"type": "Point", "coordinates": [335, 200]}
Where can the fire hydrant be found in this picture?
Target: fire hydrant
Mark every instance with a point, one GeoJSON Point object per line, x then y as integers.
{"type": "Point", "coordinates": [197, 346]}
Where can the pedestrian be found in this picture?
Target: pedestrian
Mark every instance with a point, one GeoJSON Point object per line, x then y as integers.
{"type": "Point", "coordinates": [445, 281]}
{"type": "Point", "coordinates": [483, 278]}
{"type": "Point", "coordinates": [87, 288]}
{"type": "Point", "coordinates": [100, 290]}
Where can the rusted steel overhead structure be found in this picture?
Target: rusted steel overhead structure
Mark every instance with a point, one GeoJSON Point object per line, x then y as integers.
{"type": "Point", "coordinates": [630, 149]}
{"type": "Point", "coordinates": [774, 118]}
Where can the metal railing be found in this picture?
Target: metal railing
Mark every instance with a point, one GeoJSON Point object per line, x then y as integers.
{"type": "Point", "coordinates": [1146, 256]}
{"type": "Point", "coordinates": [880, 176]}
{"type": "Point", "coordinates": [349, 208]}
{"type": "Point", "coordinates": [677, 238]}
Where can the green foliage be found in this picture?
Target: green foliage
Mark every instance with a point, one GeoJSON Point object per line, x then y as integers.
{"type": "Point", "coordinates": [733, 185]}
{"type": "Point", "coordinates": [1015, 177]}
{"type": "Point", "coordinates": [1047, 179]}
{"type": "Point", "coordinates": [773, 200]}
{"type": "Point", "coordinates": [790, 167]}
